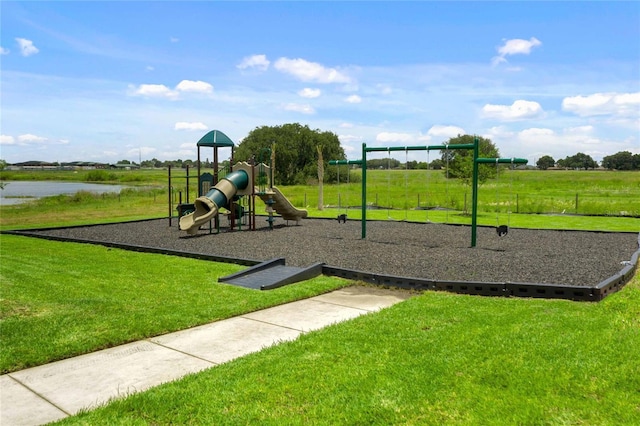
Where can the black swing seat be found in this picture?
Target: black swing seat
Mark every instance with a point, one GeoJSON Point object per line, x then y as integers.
{"type": "Point", "coordinates": [502, 230]}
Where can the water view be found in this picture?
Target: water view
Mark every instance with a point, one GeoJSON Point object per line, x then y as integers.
{"type": "Point", "coordinates": [16, 192]}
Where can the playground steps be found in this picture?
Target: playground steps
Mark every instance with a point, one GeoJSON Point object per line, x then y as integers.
{"type": "Point", "coordinates": [271, 274]}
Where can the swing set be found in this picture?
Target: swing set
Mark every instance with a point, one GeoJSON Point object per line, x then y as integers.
{"type": "Point", "coordinates": [501, 230]}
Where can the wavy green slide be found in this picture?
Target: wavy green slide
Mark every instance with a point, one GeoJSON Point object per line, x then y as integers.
{"type": "Point", "coordinates": [218, 197]}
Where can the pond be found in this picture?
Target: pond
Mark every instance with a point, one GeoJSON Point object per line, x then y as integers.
{"type": "Point", "coordinates": [16, 192]}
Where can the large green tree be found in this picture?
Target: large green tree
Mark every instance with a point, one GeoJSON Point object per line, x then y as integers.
{"type": "Point", "coordinates": [545, 162]}
{"type": "Point", "coordinates": [458, 163]}
{"type": "Point", "coordinates": [578, 161]}
{"type": "Point", "coordinates": [296, 151]}
{"type": "Point", "coordinates": [623, 160]}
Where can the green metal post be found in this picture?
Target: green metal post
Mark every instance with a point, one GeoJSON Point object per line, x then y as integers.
{"type": "Point", "coordinates": [364, 191]}
{"type": "Point", "coordinates": [474, 201]}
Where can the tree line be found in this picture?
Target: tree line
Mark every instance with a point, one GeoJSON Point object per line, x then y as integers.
{"type": "Point", "coordinates": [297, 150]}
{"type": "Point", "coordinates": [623, 160]}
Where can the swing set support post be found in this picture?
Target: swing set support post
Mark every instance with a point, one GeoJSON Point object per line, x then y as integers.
{"type": "Point", "coordinates": [364, 192]}
{"type": "Point", "coordinates": [474, 192]}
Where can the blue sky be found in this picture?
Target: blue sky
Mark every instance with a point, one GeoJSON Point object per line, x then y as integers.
{"type": "Point", "coordinates": [106, 81]}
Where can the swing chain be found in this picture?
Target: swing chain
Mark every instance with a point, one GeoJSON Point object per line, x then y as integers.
{"type": "Point", "coordinates": [501, 230]}
{"type": "Point", "coordinates": [446, 183]}
{"type": "Point", "coordinates": [406, 184]}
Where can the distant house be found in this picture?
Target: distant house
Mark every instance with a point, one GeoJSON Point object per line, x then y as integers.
{"type": "Point", "coordinates": [124, 166]}
{"type": "Point", "coordinates": [83, 165]}
{"type": "Point", "coordinates": [35, 165]}
{"type": "Point", "coordinates": [43, 165]}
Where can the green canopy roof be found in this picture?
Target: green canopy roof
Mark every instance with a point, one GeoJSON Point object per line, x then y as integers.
{"type": "Point", "coordinates": [215, 138]}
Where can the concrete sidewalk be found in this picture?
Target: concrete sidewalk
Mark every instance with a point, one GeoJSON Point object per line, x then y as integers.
{"type": "Point", "coordinates": [53, 391]}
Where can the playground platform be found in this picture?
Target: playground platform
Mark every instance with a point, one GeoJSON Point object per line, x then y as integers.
{"type": "Point", "coordinates": [54, 391]}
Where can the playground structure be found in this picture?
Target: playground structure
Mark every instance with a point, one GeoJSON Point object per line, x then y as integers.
{"type": "Point", "coordinates": [501, 230]}
{"type": "Point", "coordinates": [235, 192]}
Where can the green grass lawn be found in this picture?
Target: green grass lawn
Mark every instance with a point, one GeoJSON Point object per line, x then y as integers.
{"type": "Point", "coordinates": [85, 208]}
{"type": "Point", "coordinates": [59, 300]}
{"type": "Point", "coordinates": [146, 177]}
{"type": "Point", "coordinates": [520, 191]}
{"type": "Point", "coordinates": [435, 359]}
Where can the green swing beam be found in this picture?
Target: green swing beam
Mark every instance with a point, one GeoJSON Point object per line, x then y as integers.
{"type": "Point", "coordinates": [475, 146]}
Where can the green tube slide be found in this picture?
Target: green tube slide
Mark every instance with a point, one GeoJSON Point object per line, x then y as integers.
{"type": "Point", "coordinates": [206, 207]}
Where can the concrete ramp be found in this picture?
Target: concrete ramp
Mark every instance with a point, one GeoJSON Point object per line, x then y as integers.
{"type": "Point", "coordinates": [272, 274]}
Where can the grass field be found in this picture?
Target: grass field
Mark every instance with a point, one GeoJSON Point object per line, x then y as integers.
{"type": "Point", "coordinates": [609, 193]}
{"type": "Point", "coordinates": [436, 359]}
{"type": "Point", "coordinates": [531, 199]}
{"type": "Point", "coordinates": [520, 191]}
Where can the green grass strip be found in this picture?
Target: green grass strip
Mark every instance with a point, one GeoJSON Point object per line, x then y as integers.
{"type": "Point", "coordinates": [435, 359]}
{"type": "Point", "coordinates": [60, 300]}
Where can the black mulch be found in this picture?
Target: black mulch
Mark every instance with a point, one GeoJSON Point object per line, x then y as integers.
{"type": "Point", "coordinates": [433, 251]}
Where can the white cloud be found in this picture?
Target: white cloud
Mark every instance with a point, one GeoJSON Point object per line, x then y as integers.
{"type": "Point", "coordinates": [571, 139]}
{"type": "Point", "coordinates": [349, 138]}
{"type": "Point", "coordinates": [353, 99]}
{"type": "Point", "coordinates": [162, 91]}
{"type": "Point", "coordinates": [29, 138]}
{"type": "Point", "coordinates": [155, 91]}
{"type": "Point", "coordinates": [183, 125]}
{"type": "Point", "coordinates": [7, 140]}
{"type": "Point", "coordinates": [516, 46]}
{"type": "Point", "coordinates": [535, 133]}
{"type": "Point", "coordinates": [498, 132]}
{"type": "Point", "coordinates": [149, 68]}
{"type": "Point", "coordinates": [622, 104]}
{"type": "Point", "coordinates": [258, 62]}
{"type": "Point", "coordinates": [388, 137]}
{"type": "Point", "coordinates": [309, 93]}
{"type": "Point", "coordinates": [580, 129]}
{"type": "Point", "coordinates": [4, 51]}
{"type": "Point", "coordinates": [348, 149]}
{"type": "Point", "coordinates": [26, 47]}
{"type": "Point", "coordinates": [194, 86]}
{"type": "Point", "coordinates": [447, 132]}
{"type": "Point", "coordinates": [310, 71]}
{"type": "Point", "coordinates": [346, 125]}
{"type": "Point", "coordinates": [301, 108]}
{"type": "Point", "coordinates": [519, 110]}
{"type": "Point", "coordinates": [574, 138]}
{"type": "Point", "coordinates": [174, 39]}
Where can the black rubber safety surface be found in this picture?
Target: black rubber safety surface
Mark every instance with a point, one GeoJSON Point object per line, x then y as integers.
{"type": "Point", "coordinates": [432, 251]}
